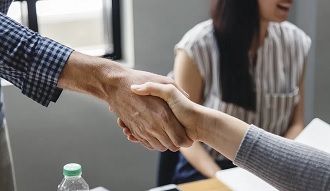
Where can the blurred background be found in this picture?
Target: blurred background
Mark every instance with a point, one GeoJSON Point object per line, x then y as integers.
{"type": "Point", "coordinates": [139, 34]}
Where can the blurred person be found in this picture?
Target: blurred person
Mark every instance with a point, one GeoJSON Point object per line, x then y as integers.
{"type": "Point", "coordinates": [247, 61]}
{"type": "Point", "coordinates": [281, 162]}
{"type": "Point", "coordinates": [41, 68]}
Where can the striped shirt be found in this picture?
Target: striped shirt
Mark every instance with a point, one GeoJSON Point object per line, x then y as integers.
{"type": "Point", "coordinates": [29, 61]}
{"type": "Point", "coordinates": [276, 73]}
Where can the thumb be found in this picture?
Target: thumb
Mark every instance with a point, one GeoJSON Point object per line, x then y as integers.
{"type": "Point", "coordinates": [163, 91]}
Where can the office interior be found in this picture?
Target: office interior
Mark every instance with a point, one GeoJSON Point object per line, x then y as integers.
{"type": "Point", "coordinates": [80, 128]}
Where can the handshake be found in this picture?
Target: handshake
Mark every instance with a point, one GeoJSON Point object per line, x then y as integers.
{"type": "Point", "coordinates": [155, 112]}
{"type": "Point", "coordinates": [152, 109]}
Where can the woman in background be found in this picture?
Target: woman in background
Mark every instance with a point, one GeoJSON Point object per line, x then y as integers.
{"type": "Point", "coordinates": [248, 62]}
{"type": "Point", "coordinates": [283, 163]}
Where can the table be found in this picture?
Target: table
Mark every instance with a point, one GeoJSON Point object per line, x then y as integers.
{"type": "Point", "coordinates": [316, 134]}
{"type": "Point", "coordinates": [212, 184]}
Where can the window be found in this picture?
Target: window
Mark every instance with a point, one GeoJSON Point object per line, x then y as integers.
{"type": "Point", "coordinates": [88, 26]}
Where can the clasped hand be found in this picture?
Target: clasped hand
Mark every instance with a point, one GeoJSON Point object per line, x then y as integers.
{"type": "Point", "coordinates": [149, 119]}
{"type": "Point", "coordinates": [182, 107]}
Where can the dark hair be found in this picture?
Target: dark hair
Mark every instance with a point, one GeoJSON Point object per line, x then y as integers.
{"type": "Point", "coordinates": [235, 23]}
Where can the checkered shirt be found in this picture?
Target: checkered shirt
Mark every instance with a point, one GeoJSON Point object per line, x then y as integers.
{"type": "Point", "coordinates": [29, 61]}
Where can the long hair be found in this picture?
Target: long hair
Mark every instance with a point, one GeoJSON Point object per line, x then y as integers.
{"type": "Point", "coordinates": [236, 23]}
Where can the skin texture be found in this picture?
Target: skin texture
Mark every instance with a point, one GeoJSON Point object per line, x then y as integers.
{"type": "Point", "coordinates": [149, 119]}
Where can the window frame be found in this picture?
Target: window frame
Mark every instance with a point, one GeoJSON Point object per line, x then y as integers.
{"type": "Point", "coordinates": [116, 53]}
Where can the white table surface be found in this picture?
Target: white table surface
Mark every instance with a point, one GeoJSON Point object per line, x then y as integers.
{"type": "Point", "coordinates": [316, 134]}
{"type": "Point", "coordinates": [100, 188]}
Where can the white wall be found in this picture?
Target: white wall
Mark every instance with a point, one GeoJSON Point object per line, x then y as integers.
{"type": "Point", "coordinates": [79, 128]}
{"type": "Point", "coordinates": [159, 25]}
{"type": "Point", "coordinates": [311, 17]}
{"type": "Point", "coordinates": [322, 65]}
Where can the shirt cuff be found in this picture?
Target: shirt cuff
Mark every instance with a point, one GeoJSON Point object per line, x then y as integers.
{"type": "Point", "coordinates": [44, 71]}
{"type": "Point", "coordinates": [247, 144]}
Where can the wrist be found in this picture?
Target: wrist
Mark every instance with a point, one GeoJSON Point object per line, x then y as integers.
{"type": "Point", "coordinates": [198, 129]}
{"type": "Point", "coordinates": [110, 76]}
{"type": "Point", "coordinates": [209, 125]}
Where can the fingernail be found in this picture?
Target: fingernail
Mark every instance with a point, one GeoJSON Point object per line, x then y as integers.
{"type": "Point", "coordinates": [136, 87]}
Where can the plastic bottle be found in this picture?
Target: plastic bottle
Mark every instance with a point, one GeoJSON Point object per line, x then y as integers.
{"type": "Point", "coordinates": [72, 180]}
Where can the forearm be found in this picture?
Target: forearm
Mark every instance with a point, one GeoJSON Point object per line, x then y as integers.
{"type": "Point", "coordinates": [283, 163]}
{"type": "Point", "coordinates": [197, 156]}
{"type": "Point", "coordinates": [91, 75]}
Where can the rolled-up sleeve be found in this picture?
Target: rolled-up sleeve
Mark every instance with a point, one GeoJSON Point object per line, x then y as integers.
{"type": "Point", "coordinates": [31, 62]}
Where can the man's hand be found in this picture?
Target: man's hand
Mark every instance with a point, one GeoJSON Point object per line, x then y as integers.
{"type": "Point", "coordinates": [187, 112]}
{"type": "Point", "coordinates": [149, 118]}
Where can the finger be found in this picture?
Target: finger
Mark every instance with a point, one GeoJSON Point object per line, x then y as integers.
{"type": "Point", "coordinates": [150, 137]}
{"type": "Point", "coordinates": [171, 81]}
{"type": "Point", "coordinates": [156, 144]}
{"type": "Point", "coordinates": [121, 123]}
{"type": "Point", "coordinates": [142, 141]}
{"type": "Point", "coordinates": [165, 140]}
{"type": "Point", "coordinates": [174, 132]}
{"type": "Point", "coordinates": [127, 132]}
{"type": "Point", "coordinates": [172, 128]}
{"type": "Point", "coordinates": [177, 134]}
{"type": "Point", "coordinates": [146, 144]}
{"type": "Point", "coordinates": [132, 139]}
{"type": "Point", "coordinates": [155, 89]}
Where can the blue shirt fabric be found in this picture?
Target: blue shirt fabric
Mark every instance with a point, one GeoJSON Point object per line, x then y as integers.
{"type": "Point", "coordinates": [29, 61]}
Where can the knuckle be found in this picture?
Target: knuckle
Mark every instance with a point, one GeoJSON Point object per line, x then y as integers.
{"type": "Point", "coordinates": [162, 149]}
{"type": "Point", "coordinates": [153, 129]}
{"type": "Point", "coordinates": [173, 148]}
{"type": "Point", "coordinates": [164, 116]}
{"type": "Point", "coordinates": [148, 84]}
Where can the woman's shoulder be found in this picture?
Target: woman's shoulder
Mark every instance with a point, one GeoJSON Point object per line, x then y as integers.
{"type": "Point", "coordinates": [289, 35]}
{"type": "Point", "coordinates": [201, 31]}
{"type": "Point", "coordinates": [287, 29]}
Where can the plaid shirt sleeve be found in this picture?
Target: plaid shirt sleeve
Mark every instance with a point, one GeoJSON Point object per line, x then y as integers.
{"type": "Point", "coordinates": [29, 61]}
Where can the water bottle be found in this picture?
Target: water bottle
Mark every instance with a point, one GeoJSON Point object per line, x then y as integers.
{"type": "Point", "coordinates": [72, 180]}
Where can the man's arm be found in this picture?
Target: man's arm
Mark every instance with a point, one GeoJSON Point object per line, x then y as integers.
{"type": "Point", "coordinates": [149, 118]}
{"type": "Point", "coordinates": [34, 63]}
